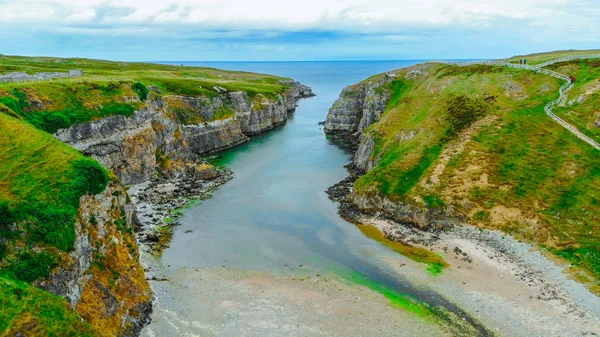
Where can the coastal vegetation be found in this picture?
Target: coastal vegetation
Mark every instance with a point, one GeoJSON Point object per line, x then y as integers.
{"type": "Point", "coordinates": [44, 182]}
{"type": "Point", "coordinates": [117, 88]}
{"type": "Point", "coordinates": [538, 58]}
{"type": "Point", "coordinates": [475, 141]}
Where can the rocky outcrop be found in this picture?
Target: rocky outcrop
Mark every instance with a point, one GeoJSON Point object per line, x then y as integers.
{"type": "Point", "coordinates": [22, 77]}
{"type": "Point", "coordinates": [407, 214]}
{"type": "Point", "coordinates": [363, 157]}
{"type": "Point", "coordinates": [101, 278]}
{"type": "Point", "coordinates": [359, 106]}
{"type": "Point", "coordinates": [127, 145]}
{"type": "Point", "coordinates": [172, 130]}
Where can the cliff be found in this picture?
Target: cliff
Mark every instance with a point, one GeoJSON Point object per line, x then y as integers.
{"type": "Point", "coordinates": [441, 145]}
{"type": "Point", "coordinates": [101, 278]}
{"type": "Point", "coordinates": [359, 105]}
{"type": "Point", "coordinates": [67, 229]}
{"type": "Point", "coordinates": [69, 261]}
{"type": "Point", "coordinates": [171, 130]}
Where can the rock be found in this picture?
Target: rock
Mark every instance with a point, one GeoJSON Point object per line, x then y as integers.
{"type": "Point", "coordinates": [152, 237]}
{"type": "Point", "coordinates": [156, 139]}
{"type": "Point", "coordinates": [155, 89]}
{"type": "Point", "coordinates": [580, 99]}
{"type": "Point", "coordinates": [207, 172]}
{"type": "Point", "coordinates": [22, 77]}
{"type": "Point", "coordinates": [89, 293]}
{"type": "Point", "coordinates": [358, 106]}
{"type": "Point", "coordinates": [362, 157]}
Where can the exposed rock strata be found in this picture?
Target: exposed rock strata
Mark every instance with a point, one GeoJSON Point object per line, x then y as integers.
{"type": "Point", "coordinates": [359, 106]}
{"type": "Point", "coordinates": [101, 278]}
{"type": "Point", "coordinates": [163, 137]}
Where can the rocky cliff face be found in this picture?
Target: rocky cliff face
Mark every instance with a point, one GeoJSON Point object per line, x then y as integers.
{"type": "Point", "coordinates": [101, 277]}
{"type": "Point", "coordinates": [359, 106]}
{"type": "Point", "coordinates": [172, 130]}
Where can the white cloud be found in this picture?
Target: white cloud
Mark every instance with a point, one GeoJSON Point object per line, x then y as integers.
{"type": "Point", "coordinates": [394, 17]}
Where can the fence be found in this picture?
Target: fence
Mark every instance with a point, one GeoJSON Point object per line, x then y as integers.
{"type": "Point", "coordinates": [539, 69]}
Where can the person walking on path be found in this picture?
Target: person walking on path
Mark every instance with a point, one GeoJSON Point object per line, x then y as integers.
{"type": "Point", "coordinates": [572, 78]}
{"type": "Point", "coordinates": [524, 61]}
{"type": "Point", "coordinates": [521, 61]}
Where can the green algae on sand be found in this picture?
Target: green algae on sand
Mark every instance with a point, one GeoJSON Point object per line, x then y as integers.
{"type": "Point", "coordinates": [436, 263]}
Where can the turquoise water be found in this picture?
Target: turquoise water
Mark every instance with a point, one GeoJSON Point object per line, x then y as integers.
{"type": "Point", "coordinates": [274, 215]}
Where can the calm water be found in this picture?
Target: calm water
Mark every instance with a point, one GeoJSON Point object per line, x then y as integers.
{"type": "Point", "coordinates": [274, 215]}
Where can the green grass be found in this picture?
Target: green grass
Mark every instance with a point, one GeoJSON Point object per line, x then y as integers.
{"type": "Point", "coordinates": [108, 88]}
{"type": "Point", "coordinates": [34, 312]}
{"type": "Point", "coordinates": [435, 263]}
{"type": "Point", "coordinates": [41, 182]}
{"type": "Point", "coordinates": [521, 161]}
{"type": "Point", "coordinates": [585, 114]}
{"type": "Point", "coordinates": [549, 56]}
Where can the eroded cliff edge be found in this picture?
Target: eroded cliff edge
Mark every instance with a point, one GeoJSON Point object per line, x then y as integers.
{"type": "Point", "coordinates": [171, 131]}
{"type": "Point", "coordinates": [138, 137]}
{"type": "Point", "coordinates": [440, 145]}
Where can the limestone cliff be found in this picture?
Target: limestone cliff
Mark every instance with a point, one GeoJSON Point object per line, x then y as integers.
{"type": "Point", "coordinates": [101, 278]}
{"type": "Point", "coordinates": [171, 130]}
{"type": "Point", "coordinates": [359, 106]}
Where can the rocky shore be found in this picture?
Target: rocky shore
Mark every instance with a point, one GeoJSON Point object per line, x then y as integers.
{"type": "Point", "coordinates": [490, 274]}
{"type": "Point", "coordinates": [160, 202]}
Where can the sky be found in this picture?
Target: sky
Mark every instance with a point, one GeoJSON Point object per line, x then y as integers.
{"type": "Point", "coordinates": [267, 30]}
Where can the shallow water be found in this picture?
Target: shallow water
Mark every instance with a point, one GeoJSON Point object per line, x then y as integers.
{"type": "Point", "coordinates": [274, 215]}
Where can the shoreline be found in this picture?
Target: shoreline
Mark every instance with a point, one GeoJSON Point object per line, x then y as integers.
{"type": "Point", "coordinates": [490, 275]}
{"type": "Point", "coordinates": [159, 204]}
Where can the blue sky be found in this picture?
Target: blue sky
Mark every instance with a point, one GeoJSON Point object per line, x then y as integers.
{"type": "Point", "coordinates": [182, 30]}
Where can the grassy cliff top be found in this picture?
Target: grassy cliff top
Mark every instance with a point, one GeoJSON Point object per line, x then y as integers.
{"type": "Point", "coordinates": [476, 141]}
{"type": "Point", "coordinates": [538, 58]}
{"type": "Point", "coordinates": [101, 70]}
{"type": "Point", "coordinates": [41, 182]}
{"type": "Point", "coordinates": [115, 88]}
{"type": "Point", "coordinates": [34, 312]}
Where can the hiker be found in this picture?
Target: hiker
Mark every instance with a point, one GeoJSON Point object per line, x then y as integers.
{"type": "Point", "coordinates": [524, 61]}
{"type": "Point", "coordinates": [521, 61]}
{"type": "Point", "coordinates": [572, 78]}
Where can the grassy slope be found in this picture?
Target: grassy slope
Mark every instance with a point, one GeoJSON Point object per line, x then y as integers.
{"type": "Point", "coordinates": [172, 79]}
{"type": "Point", "coordinates": [41, 181]}
{"type": "Point", "coordinates": [116, 88]}
{"type": "Point", "coordinates": [510, 168]}
{"type": "Point", "coordinates": [549, 56]}
{"type": "Point", "coordinates": [34, 312]}
{"type": "Point", "coordinates": [587, 86]}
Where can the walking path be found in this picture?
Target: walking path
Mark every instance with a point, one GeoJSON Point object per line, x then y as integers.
{"type": "Point", "coordinates": [539, 69]}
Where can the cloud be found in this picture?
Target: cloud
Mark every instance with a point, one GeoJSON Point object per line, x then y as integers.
{"type": "Point", "coordinates": [284, 29]}
{"type": "Point", "coordinates": [374, 16]}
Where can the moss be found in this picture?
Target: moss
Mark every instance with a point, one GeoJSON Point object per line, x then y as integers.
{"type": "Point", "coordinates": [29, 266]}
{"type": "Point", "coordinates": [433, 201]}
{"type": "Point", "coordinates": [28, 311]}
{"type": "Point", "coordinates": [435, 262]}
{"type": "Point", "coordinates": [141, 90]}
